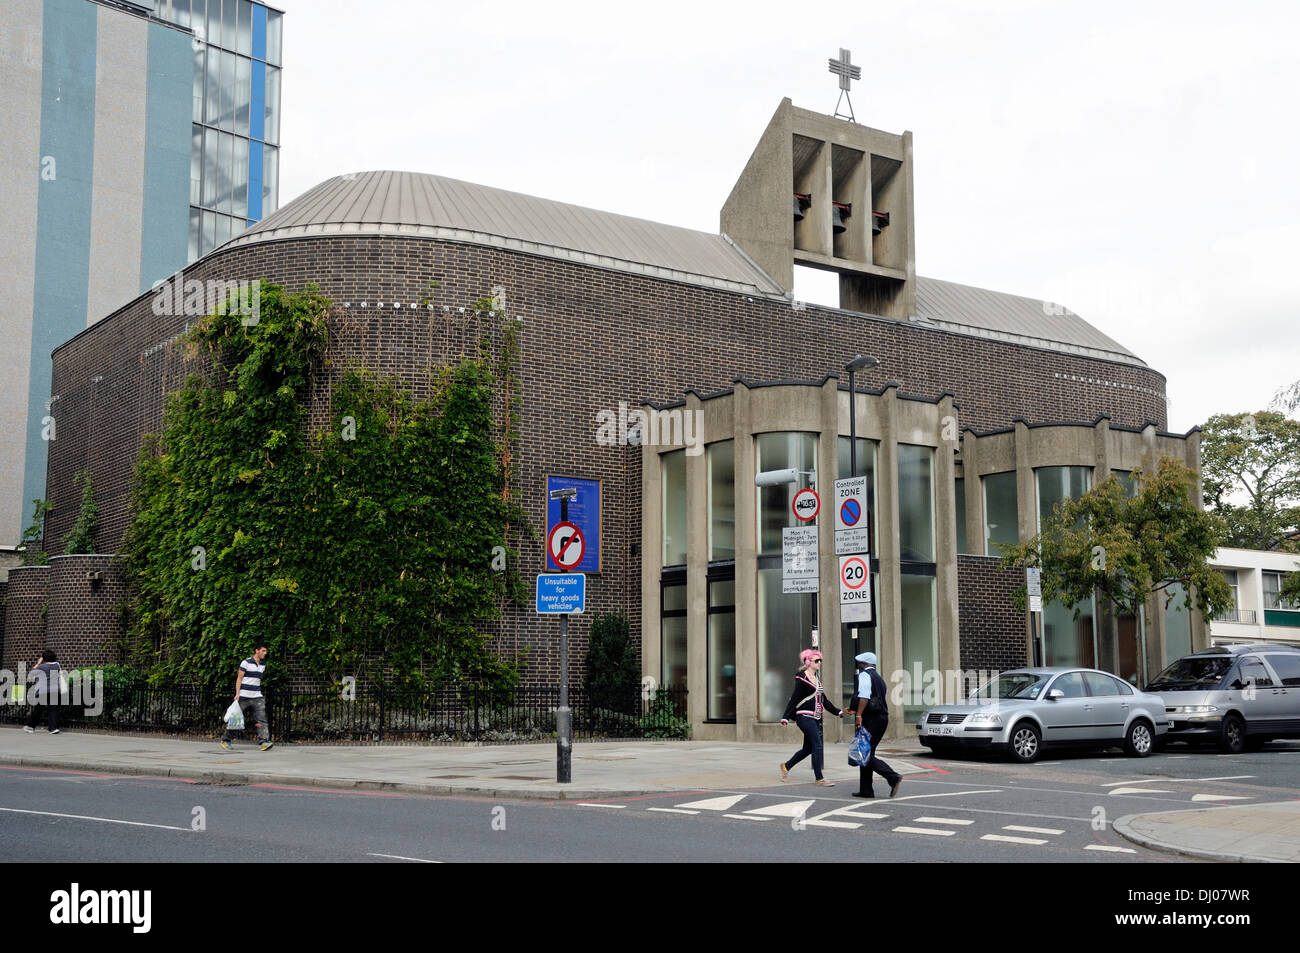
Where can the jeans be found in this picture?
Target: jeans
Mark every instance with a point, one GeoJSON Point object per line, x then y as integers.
{"type": "Point", "coordinates": [254, 709]}
{"type": "Point", "coordinates": [812, 744]}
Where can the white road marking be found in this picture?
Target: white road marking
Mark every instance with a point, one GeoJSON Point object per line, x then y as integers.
{"type": "Point", "coordinates": [747, 817]}
{"type": "Point", "coordinates": [1218, 797]}
{"type": "Point", "coordinates": [86, 817]}
{"type": "Point", "coordinates": [1140, 791]}
{"type": "Point", "coordinates": [716, 803]}
{"type": "Point", "coordinates": [1031, 830]}
{"type": "Point", "coordinates": [849, 811]}
{"type": "Point", "coordinates": [1013, 840]}
{"type": "Point", "coordinates": [1174, 757]}
{"type": "Point", "coordinates": [1113, 850]}
{"type": "Point", "coordinates": [1230, 777]}
{"type": "Point", "coordinates": [841, 824]}
{"type": "Point", "coordinates": [416, 860]}
{"type": "Point", "coordinates": [670, 810]}
{"type": "Point", "coordinates": [788, 809]}
{"type": "Point", "coordinates": [924, 830]}
{"type": "Point", "coordinates": [1119, 784]}
{"type": "Point", "coordinates": [940, 820]}
{"type": "Point", "coordinates": [913, 797]}
{"type": "Point", "coordinates": [617, 807]}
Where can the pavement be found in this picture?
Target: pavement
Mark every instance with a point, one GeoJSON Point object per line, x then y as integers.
{"type": "Point", "coordinates": [1267, 832]}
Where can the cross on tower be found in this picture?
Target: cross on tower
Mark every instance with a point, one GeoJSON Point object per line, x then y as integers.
{"type": "Point", "coordinates": [847, 72]}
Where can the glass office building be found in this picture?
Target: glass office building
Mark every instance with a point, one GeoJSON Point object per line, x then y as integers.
{"type": "Point", "coordinates": [235, 154]}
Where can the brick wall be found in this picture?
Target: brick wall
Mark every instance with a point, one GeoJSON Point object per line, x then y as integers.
{"type": "Point", "coordinates": [992, 629]}
{"type": "Point", "coordinates": [589, 339]}
{"type": "Point", "coordinates": [25, 615]}
{"type": "Point", "coordinates": [83, 623]}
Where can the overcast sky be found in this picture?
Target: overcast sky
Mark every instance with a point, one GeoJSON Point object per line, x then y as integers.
{"type": "Point", "coordinates": [1136, 162]}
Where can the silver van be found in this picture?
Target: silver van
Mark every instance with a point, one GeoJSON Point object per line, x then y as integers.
{"type": "Point", "coordinates": [1238, 696]}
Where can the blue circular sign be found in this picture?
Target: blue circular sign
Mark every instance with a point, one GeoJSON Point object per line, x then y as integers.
{"type": "Point", "coordinates": [850, 512]}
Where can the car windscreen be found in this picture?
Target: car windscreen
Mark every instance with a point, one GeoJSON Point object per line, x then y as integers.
{"type": "Point", "coordinates": [1192, 673]}
{"type": "Point", "coordinates": [1014, 685]}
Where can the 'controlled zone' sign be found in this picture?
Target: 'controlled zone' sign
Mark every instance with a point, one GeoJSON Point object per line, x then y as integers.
{"type": "Point", "coordinates": [855, 589]}
{"type": "Point", "coordinates": [851, 533]}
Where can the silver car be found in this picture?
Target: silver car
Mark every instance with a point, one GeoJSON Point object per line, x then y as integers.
{"type": "Point", "coordinates": [1237, 696]}
{"type": "Point", "coordinates": [1020, 712]}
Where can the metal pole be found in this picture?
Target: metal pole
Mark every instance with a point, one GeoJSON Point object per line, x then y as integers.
{"type": "Point", "coordinates": [853, 471]}
{"type": "Point", "coordinates": [563, 715]}
{"type": "Point", "coordinates": [1038, 646]}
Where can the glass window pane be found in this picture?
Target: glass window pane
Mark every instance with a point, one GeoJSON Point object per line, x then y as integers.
{"type": "Point", "coordinates": [781, 451]}
{"type": "Point", "coordinates": [722, 658]}
{"type": "Point", "coordinates": [243, 93]}
{"type": "Point", "coordinates": [194, 234]}
{"type": "Point", "coordinates": [722, 500]}
{"type": "Point", "coordinates": [1126, 481]}
{"type": "Point", "coordinates": [180, 12]}
{"type": "Point", "coordinates": [200, 57]}
{"type": "Point", "coordinates": [1056, 484]}
{"type": "Point", "coordinates": [1001, 524]}
{"type": "Point", "coordinates": [1066, 640]}
{"type": "Point", "coordinates": [673, 498]}
{"type": "Point", "coordinates": [1178, 624]}
{"type": "Point", "coordinates": [239, 177]}
{"type": "Point", "coordinates": [214, 22]}
{"type": "Point", "coordinates": [866, 467]}
{"type": "Point", "coordinates": [209, 239]}
{"type": "Point", "coordinates": [270, 180]}
{"type": "Point", "coordinates": [273, 37]}
{"type": "Point", "coordinates": [674, 651]}
{"type": "Point", "coordinates": [229, 33]}
{"type": "Point", "coordinates": [959, 499]}
{"type": "Point", "coordinates": [226, 166]}
{"type": "Point", "coordinates": [915, 503]}
{"type": "Point", "coordinates": [212, 86]}
{"type": "Point", "coordinates": [210, 170]}
{"type": "Point", "coordinates": [244, 43]}
{"type": "Point", "coordinates": [674, 597]}
{"type": "Point", "coordinates": [271, 130]}
{"type": "Point", "coordinates": [920, 642]}
{"type": "Point", "coordinates": [784, 630]}
{"type": "Point", "coordinates": [196, 164]}
{"type": "Point", "coordinates": [226, 119]}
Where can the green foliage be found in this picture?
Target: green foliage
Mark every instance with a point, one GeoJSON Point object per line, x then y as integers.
{"type": "Point", "coordinates": [1126, 548]}
{"type": "Point", "coordinates": [613, 677]}
{"type": "Point", "coordinates": [82, 537]}
{"type": "Point", "coordinates": [1250, 465]}
{"type": "Point", "coordinates": [663, 719]}
{"type": "Point", "coordinates": [366, 551]}
{"type": "Point", "coordinates": [34, 535]}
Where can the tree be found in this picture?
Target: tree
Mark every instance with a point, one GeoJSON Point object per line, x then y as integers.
{"type": "Point", "coordinates": [1254, 459]}
{"type": "Point", "coordinates": [1127, 547]}
{"type": "Point", "coordinates": [613, 668]}
{"type": "Point", "coordinates": [34, 535]}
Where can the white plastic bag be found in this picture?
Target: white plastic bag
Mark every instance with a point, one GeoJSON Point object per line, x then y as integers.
{"type": "Point", "coordinates": [235, 717]}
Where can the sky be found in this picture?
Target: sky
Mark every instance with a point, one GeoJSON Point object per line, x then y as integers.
{"type": "Point", "coordinates": [1136, 162]}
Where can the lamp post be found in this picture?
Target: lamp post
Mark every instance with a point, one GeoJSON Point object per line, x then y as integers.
{"type": "Point", "coordinates": [859, 363]}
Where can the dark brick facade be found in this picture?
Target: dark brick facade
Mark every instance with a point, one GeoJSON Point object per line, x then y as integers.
{"type": "Point", "coordinates": [589, 338]}
{"type": "Point", "coordinates": [992, 629]}
{"type": "Point", "coordinates": [26, 611]}
{"type": "Point", "coordinates": [84, 622]}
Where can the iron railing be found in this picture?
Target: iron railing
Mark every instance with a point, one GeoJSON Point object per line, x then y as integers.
{"type": "Point", "coordinates": [469, 713]}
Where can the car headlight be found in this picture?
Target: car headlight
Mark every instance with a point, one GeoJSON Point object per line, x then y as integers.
{"type": "Point", "coordinates": [991, 718]}
{"type": "Point", "coordinates": [1194, 709]}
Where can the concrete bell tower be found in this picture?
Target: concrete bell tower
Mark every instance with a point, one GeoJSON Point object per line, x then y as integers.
{"type": "Point", "coordinates": [830, 194]}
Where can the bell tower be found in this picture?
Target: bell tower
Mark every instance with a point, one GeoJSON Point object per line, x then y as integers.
{"type": "Point", "coordinates": [830, 194]}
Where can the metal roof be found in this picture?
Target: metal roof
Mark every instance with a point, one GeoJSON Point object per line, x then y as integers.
{"type": "Point", "coordinates": [412, 203]}
{"type": "Point", "coordinates": [1008, 317]}
{"type": "Point", "coordinates": [419, 204]}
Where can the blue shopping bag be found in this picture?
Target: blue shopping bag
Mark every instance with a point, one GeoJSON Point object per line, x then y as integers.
{"type": "Point", "coordinates": [860, 748]}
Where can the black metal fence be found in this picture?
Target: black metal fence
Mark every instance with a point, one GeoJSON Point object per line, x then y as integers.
{"type": "Point", "coordinates": [455, 715]}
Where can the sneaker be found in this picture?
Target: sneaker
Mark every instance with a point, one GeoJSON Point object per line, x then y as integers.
{"type": "Point", "coordinates": [826, 784]}
{"type": "Point", "coordinates": [785, 772]}
{"type": "Point", "coordinates": [31, 731]}
{"type": "Point", "coordinates": [226, 745]}
{"type": "Point", "coordinates": [55, 731]}
{"type": "Point", "coordinates": [267, 745]}
{"type": "Point", "coordinates": [893, 788]}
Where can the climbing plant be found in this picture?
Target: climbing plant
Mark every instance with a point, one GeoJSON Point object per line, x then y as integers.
{"type": "Point", "coordinates": [377, 547]}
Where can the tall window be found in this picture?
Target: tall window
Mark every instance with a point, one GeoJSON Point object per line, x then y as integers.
{"type": "Point", "coordinates": [722, 500]}
{"type": "Point", "coordinates": [915, 503]}
{"type": "Point", "coordinates": [1001, 522]}
{"type": "Point", "coordinates": [672, 633]}
{"type": "Point", "coordinates": [1178, 624]}
{"type": "Point", "coordinates": [1273, 582]}
{"type": "Point", "coordinates": [920, 639]}
{"type": "Point", "coordinates": [722, 650]}
{"type": "Point", "coordinates": [673, 503]}
{"type": "Point", "coordinates": [1233, 614]}
{"type": "Point", "coordinates": [959, 499]}
{"type": "Point", "coordinates": [781, 451]}
{"type": "Point", "coordinates": [1067, 640]}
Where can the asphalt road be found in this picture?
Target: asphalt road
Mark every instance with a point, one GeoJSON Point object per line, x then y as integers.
{"type": "Point", "coordinates": [1058, 810]}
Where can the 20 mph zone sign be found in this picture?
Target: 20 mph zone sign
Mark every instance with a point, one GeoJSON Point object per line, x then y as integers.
{"type": "Point", "coordinates": [855, 589]}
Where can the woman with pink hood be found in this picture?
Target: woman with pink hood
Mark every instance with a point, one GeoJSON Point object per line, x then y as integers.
{"type": "Point", "coordinates": [807, 702]}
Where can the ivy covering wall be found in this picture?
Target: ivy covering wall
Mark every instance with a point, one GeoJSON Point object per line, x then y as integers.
{"type": "Point", "coordinates": [377, 548]}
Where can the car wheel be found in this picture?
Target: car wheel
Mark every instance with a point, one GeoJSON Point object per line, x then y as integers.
{"type": "Point", "coordinates": [1026, 742]}
{"type": "Point", "coordinates": [1139, 740]}
{"type": "Point", "coordinates": [1232, 736]}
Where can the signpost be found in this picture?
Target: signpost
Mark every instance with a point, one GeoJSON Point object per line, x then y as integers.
{"type": "Point", "coordinates": [563, 594]}
{"type": "Point", "coordinates": [855, 588]}
{"type": "Point", "coordinates": [1034, 590]}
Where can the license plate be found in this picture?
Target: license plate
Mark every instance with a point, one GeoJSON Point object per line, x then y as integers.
{"type": "Point", "coordinates": [941, 729]}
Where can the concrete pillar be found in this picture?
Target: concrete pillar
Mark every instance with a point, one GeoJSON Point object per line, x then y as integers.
{"type": "Point", "coordinates": [652, 557]}
{"type": "Point", "coordinates": [697, 570]}
{"type": "Point", "coordinates": [945, 543]}
{"type": "Point", "coordinates": [828, 566]}
{"type": "Point", "coordinates": [889, 614]}
{"type": "Point", "coordinates": [1026, 515]}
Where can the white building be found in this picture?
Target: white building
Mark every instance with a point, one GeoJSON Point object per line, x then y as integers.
{"type": "Point", "coordinates": [1260, 615]}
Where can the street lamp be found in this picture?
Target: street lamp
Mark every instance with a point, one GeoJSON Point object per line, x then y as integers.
{"type": "Point", "coordinates": [861, 362]}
